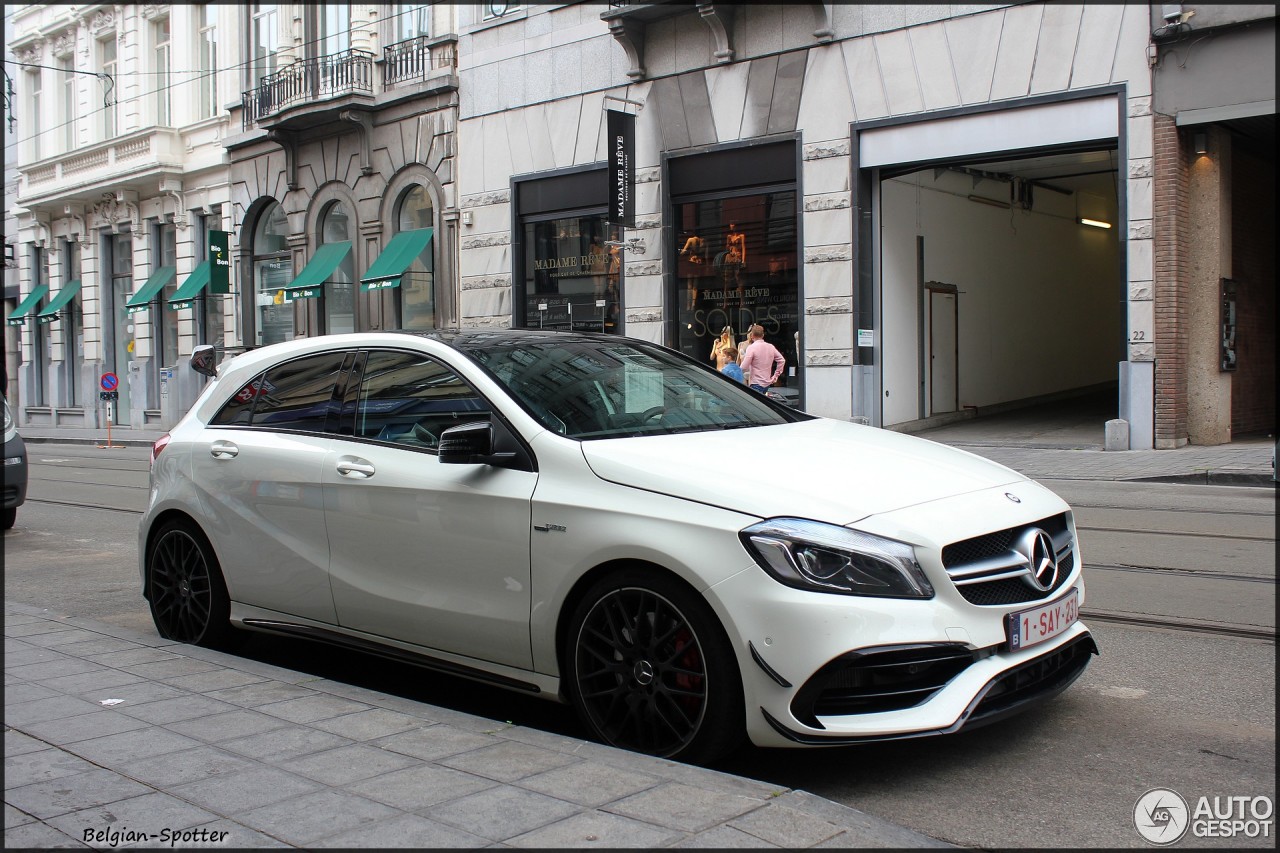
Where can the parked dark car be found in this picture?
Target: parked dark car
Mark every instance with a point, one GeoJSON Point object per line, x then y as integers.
{"type": "Point", "coordinates": [15, 469]}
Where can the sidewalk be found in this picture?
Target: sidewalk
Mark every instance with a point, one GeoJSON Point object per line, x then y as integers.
{"type": "Point", "coordinates": [115, 738]}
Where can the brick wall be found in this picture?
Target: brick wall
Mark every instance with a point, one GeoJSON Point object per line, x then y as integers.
{"type": "Point", "coordinates": [1169, 239]}
{"type": "Point", "coordinates": [1253, 217]}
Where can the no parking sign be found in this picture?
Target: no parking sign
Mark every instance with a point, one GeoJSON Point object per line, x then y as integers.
{"type": "Point", "coordinates": [110, 384]}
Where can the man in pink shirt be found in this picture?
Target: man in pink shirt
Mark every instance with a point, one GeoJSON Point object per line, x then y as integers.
{"type": "Point", "coordinates": [763, 363]}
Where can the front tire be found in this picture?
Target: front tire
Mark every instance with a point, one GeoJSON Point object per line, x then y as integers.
{"type": "Point", "coordinates": [188, 597]}
{"type": "Point", "coordinates": [651, 670]}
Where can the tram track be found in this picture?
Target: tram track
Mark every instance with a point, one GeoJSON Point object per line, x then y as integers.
{"type": "Point", "coordinates": [1145, 621]}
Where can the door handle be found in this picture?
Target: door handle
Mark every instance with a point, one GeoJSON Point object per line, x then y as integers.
{"type": "Point", "coordinates": [360, 469]}
{"type": "Point", "coordinates": [223, 450]}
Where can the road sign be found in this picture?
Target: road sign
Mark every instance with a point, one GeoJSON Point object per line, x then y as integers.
{"type": "Point", "coordinates": [109, 382]}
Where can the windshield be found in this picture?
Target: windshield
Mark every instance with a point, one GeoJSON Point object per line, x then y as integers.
{"type": "Point", "coordinates": [589, 388]}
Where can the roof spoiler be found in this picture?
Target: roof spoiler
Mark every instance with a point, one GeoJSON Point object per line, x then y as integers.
{"type": "Point", "coordinates": [204, 360]}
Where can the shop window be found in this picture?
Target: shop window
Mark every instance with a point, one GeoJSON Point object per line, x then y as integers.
{"type": "Point", "coordinates": [272, 272]}
{"type": "Point", "coordinates": [339, 289]}
{"type": "Point", "coordinates": [416, 294]}
{"type": "Point", "coordinates": [571, 276]}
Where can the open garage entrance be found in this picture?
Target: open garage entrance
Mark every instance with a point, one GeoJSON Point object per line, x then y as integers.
{"type": "Point", "coordinates": [1001, 287]}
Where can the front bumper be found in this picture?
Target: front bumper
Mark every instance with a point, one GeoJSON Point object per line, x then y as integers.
{"type": "Point", "coordinates": [825, 669]}
{"type": "Point", "coordinates": [15, 472]}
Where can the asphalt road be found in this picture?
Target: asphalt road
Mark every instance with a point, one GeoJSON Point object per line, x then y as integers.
{"type": "Point", "coordinates": [1193, 711]}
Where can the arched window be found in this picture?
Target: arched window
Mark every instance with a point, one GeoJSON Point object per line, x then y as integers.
{"type": "Point", "coordinates": [339, 288]}
{"type": "Point", "coordinates": [417, 291]}
{"type": "Point", "coordinates": [272, 272]}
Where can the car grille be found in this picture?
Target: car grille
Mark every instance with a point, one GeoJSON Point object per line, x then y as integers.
{"type": "Point", "coordinates": [874, 680]}
{"type": "Point", "coordinates": [988, 571]}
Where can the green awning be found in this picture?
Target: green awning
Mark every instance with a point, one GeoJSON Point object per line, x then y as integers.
{"type": "Point", "coordinates": [309, 283]}
{"type": "Point", "coordinates": [159, 281]}
{"type": "Point", "coordinates": [395, 259]}
{"type": "Point", "coordinates": [28, 305]}
{"type": "Point", "coordinates": [49, 313]}
{"type": "Point", "coordinates": [191, 288]}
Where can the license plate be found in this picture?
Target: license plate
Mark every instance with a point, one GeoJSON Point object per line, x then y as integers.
{"type": "Point", "coordinates": [1028, 627]}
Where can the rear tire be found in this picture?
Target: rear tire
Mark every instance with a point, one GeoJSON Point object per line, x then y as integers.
{"type": "Point", "coordinates": [189, 601]}
{"type": "Point", "coordinates": [650, 669]}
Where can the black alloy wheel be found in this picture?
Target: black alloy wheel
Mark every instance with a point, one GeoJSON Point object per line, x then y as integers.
{"type": "Point", "coordinates": [189, 601]}
{"type": "Point", "coordinates": [652, 671]}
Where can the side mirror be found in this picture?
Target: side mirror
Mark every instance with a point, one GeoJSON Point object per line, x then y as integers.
{"type": "Point", "coordinates": [204, 360]}
{"type": "Point", "coordinates": [468, 444]}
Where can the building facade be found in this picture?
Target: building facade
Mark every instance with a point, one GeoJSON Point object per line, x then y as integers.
{"type": "Point", "coordinates": [932, 211]}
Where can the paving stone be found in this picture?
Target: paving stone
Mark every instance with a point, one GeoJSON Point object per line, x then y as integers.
{"type": "Point", "coordinates": [785, 827]}
{"type": "Point", "coordinates": [367, 725]}
{"type": "Point", "coordinates": [262, 693]}
{"type": "Point", "coordinates": [32, 628]}
{"type": "Point", "coordinates": [100, 645]}
{"type": "Point", "coordinates": [148, 814]}
{"type": "Point", "coordinates": [434, 742]}
{"type": "Point", "coordinates": [174, 668]}
{"type": "Point", "coordinates": [589, 783]}
{"type": "Point", "coordinates": [15, 817]}
{"type": "Point", "coordinates": [113, 750]}
{"type": "Point", "coordinates": [236, 723]}
{"type": "Point", "coordinates": [24, 692]}
{"type": "Point", "coordinates": [97, 723]}
{"type": "Point", "coordinates": [281, 744]}
{"type": "Point", "coordinates": [312, 817]}
{"type": "Point", "coordinates": [347, 764]}
{"type": "Point", "coordinates": [42, 710]}
{"type": "Point", "coordinates": [418, 787]}
{"type": "Point", "coordinates": [40, 766]}
{"type": "Point", "coordinates": [182, 707]}
{"type": "Point", "coordinates": [308, 709]}
{"type": "Point", "coordinates": [68, 794]}
{"type": "Point", "coordinates": [188, 765]}
{"type": "Point", "coordinates": [244, 790]}
{"type": "Point", "coordinates": [142, 654]}
{"type": "Point", "coordinates": [50, 669]}
{"type": "Point", "coordinates": [683, 807]}
{"type": "Point", "coordinates": [53, 639]}
{"type": "Point", "coordinates": [596, 829]}
{"type": "Point", "coordinates": [501, 812]}
{"type": "Point", "coordinates": [214, 679]}
{"type": "Point", "coordinates": [145, 691]}
{"type": "Point", "coordinates": [37, 836]}
{"type": "Point", "coordinates": [29, 654]}
{"type": "Point", "coordinates": [17, 743]}
{"type": "Point", "coordinates": [508, 761]}
{"type": "Point", "coordinates": [405, 831]}
{"type": "Point", "coordinates": [724, 838]}
{"type": "Point", "coordinates": [91, 682]}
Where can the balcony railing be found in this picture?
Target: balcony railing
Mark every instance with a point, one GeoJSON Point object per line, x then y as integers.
{"type": "Point", "coordinates": [347, 73]}
{"type": "Point", "coordinates": [416, 59]}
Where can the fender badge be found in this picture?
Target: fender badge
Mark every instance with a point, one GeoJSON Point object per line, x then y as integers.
{"type": "Point", "coordinates": [1011, 496]}
{"type": "Point", "coordinates": [547, 528]}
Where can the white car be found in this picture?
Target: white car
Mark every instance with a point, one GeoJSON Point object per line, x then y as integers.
{"type": "Point", "coordinates": [603, 521]}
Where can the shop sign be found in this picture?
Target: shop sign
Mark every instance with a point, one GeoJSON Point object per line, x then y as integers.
{"type": "Point", "coordinates": [219, 262]}
{"type": "Point", "coordinates": [621, 130]}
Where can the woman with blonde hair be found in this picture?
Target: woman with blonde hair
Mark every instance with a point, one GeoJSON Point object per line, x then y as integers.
{"type": "Point", "coordinates": [719, 354]}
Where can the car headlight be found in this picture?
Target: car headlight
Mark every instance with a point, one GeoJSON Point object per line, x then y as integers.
{"type": "Point", "coordinates": [828, 558]}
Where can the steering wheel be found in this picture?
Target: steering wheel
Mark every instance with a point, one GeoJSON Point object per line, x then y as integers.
{"type": "Point", "coordinates": [652, 412]}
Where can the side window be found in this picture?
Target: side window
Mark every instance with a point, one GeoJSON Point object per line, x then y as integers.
{"type": "Point", "coordinates": [409, 399]}
{"type": "Point", "coordinates": [300, 394]}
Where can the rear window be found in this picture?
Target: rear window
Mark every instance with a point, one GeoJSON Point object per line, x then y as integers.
{"type": "Point", "coordinates": [296, 395]}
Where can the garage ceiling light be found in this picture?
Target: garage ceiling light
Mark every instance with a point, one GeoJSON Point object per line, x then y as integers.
{"type": "Point", "coordinates": [991, 201]}
{"type": "Point", "coordinates": [1094, 223]}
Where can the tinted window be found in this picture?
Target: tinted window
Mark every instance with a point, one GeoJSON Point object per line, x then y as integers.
{"type": "Point", "coordinates": [299, 394]}
{"type": "Point", "coordinates": [409, 399]}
